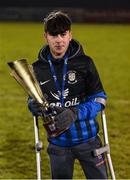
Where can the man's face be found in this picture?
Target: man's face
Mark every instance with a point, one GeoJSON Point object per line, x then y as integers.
{"type": "Point", "coordinates": [58, 43]}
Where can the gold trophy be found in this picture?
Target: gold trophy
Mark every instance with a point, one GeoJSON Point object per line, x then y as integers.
{"type": "Point", "coordinates": [25, 76]}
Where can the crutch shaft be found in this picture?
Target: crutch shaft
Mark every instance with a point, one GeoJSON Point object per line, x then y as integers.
{"type": "Point", "coordinates": [104, 125]}
{"type": "Point", "coordinates": [37, 142]}
{"type": "Point", "coordinates": [106, 142]}
{"type": "Point", "coordinates": [111, 166]}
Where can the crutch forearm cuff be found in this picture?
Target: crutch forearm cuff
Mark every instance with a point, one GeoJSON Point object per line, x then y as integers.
{"type": "Point", "coordinates": [101, 101]}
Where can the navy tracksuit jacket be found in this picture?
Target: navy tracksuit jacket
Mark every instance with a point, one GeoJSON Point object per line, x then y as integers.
{"type": "Point", "coordinates": [82, 86]}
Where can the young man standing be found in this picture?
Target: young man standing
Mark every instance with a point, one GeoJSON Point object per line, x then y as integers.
{"type": "Point", "coordinates": [70, 82]}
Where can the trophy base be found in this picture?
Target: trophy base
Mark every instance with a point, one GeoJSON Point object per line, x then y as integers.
{"type": "Point", "coordinates": [51, 128]}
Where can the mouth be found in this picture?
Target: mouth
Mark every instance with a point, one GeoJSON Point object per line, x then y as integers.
{"type": "Point", "coordinates": [59, 47]}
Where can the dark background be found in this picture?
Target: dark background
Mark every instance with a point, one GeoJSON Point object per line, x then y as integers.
{"type": "Point", "coordinates": [109, 11]}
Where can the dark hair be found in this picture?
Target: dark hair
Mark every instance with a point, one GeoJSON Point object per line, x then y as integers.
{"type": "Point", "coordinates": [57, 22]}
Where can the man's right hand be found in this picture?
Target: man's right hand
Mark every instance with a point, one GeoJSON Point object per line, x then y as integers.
{"type": "Point", "coordinates": [34, 107]}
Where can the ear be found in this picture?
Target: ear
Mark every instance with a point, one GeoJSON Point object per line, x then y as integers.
{"type": "Point", "coordinates": [45, 36]}
{"type": "Point", "coordinates": [70, 35]}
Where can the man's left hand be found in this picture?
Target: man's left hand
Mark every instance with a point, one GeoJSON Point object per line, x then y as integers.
{"type": "Point", "coordinates": [65, 117]}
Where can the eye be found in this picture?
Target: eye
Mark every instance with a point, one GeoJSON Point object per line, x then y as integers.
{"type": "Point", "coordinates": [54, 36]}
{"type": "Point", "coordinates": [63, 34]}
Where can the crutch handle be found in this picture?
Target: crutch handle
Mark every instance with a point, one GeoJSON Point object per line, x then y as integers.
{"type": "Point", "coordinates": [39, 146]}
{"type": "Point", "coordinates": [104, 149]}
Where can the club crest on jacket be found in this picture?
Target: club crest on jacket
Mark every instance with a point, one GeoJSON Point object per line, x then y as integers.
{"type": "Point", "coordinates": [72, 77]}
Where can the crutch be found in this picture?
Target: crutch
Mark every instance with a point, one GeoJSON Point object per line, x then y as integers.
{"type": "Point", "coordinates": [38, 147]}
{"type": "Point", "coordinates": [106, 147]}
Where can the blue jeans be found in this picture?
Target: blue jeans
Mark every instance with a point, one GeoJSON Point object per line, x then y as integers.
{"type": "Point", "coordinates": [62, 160]}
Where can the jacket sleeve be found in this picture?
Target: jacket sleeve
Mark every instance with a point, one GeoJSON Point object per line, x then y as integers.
{"type": "Point", "coordinates": [91, 107]}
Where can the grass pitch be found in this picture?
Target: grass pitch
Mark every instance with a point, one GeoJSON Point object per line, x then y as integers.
{"type": "Point", "coordinates": [109, 46]}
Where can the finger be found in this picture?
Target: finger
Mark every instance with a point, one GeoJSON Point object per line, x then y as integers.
{"type": "Point", "coordinates": [58, 109]}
